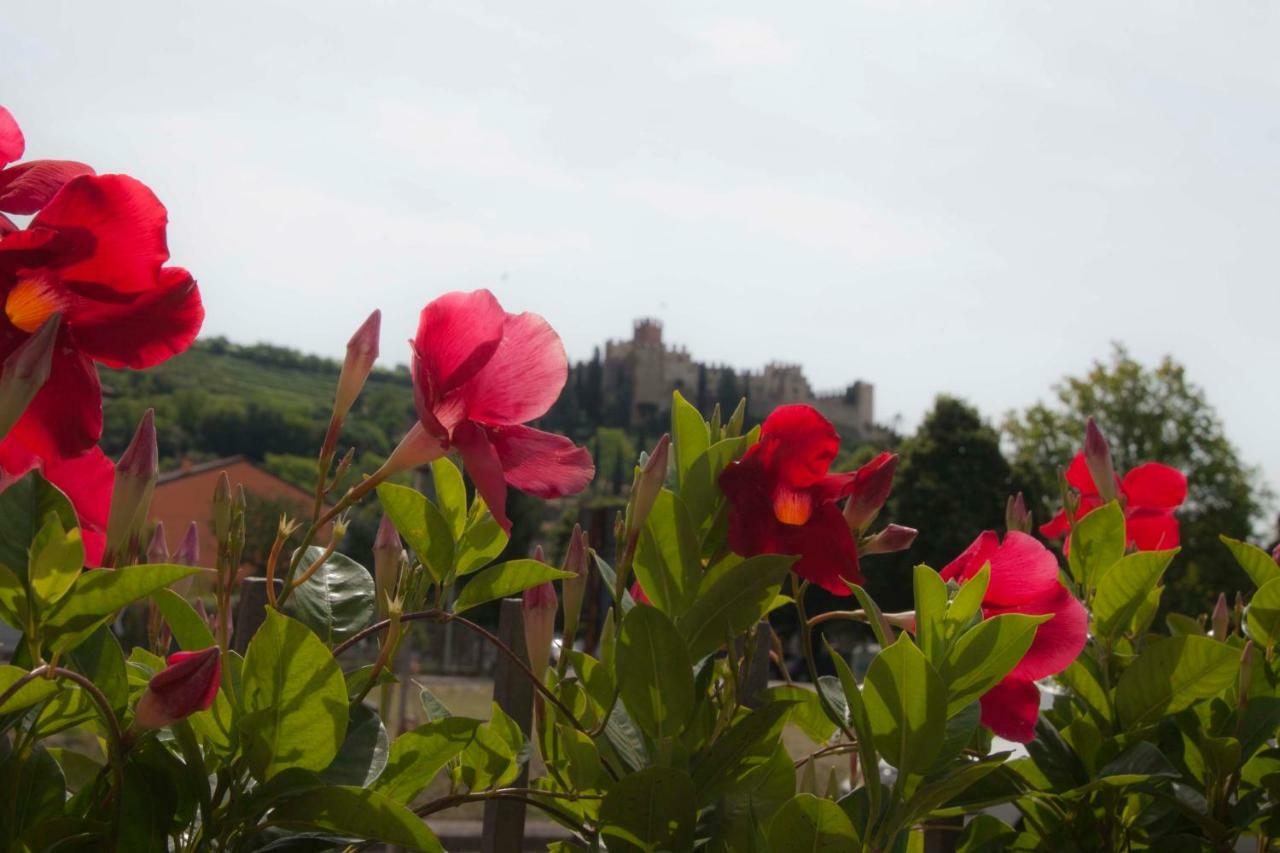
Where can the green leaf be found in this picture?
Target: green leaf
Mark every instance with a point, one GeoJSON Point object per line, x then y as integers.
{"type": "Point", "coordinates": [1097, 542]}
{"type": "Point", "coordinates": [492, 757]}
{"type": "Point", "coordinates": [1256, 562]}
{"type": "Point", "coordinates": [422, 524]}
{"type": "Point", "coordinates": [1084, 685]}
{"type": "Point", "coordinates": [1123, 590]}
{"type": "Point", "coordinates": [482, 541]}
{"type": "Point", "coordinates": [985, 654]}
{"type": "Point", "coordinates": [658, 684]}
{"type": "Point", "coordinates": [968, 600]}
{"type": "Point", "coordinates": [667, 562]}
{"type": "Point", "coordinates": [689, 432]}
{"type": "Point", "coordinates": [882, 629]}
{"type": "Point", "coordinates": [807, 824]}
{"type": "Point", "coordinates": [13, 599]}
{"type": "Point", "coordinates": [744, 810]}
{"type": "Point", "coordinates": [1263, 617]}
{"type": "Point", "coordinates": [358, 812]}
{"type": "Point", "coordinates": [861, 721]}
{"type": "Point", "coordinates": [451, 494]}
{"type": "Point", "coordinates": [1171, 675]}
{"type": "Point", "coordinates": [24, 506]}
{"type": "Point", "coordinates": [649, 810]}
{"type": "Point", "coordinates": [33, 692]}
{"type": "Point", "coordinates": [936, 793]}
{"type": "Point", "coordinates": [337, 601]}
{"type": "Point", "coordinates": [32, 787]}
{"type": "Point", "coordinates": [97, 595]}
{"type": "Point", "coordinates": [732, 597]}
{"type": "Point", "coordinates": [188, 629]}
{"type": "Point", "coordinates": [931, 612]}
{"type": "Point", "coordinates": [294, 699]}
{"type": "Point", "coordinates": [505, 579]}
{"type": "Point", "coordinates": [906, 703]}
{"type": "Point", "coordinates": [701, 488]}
{"type": "Point", "coordinates": [363, 753]}
{"type": "Point", "coordinates": [807, 714]}
{"type": "Point", "coordinates": [417, 756]}
{"type": "Point", "coordinates": [100, 659]}
{"type": "Point", "coordinates": [747, 744]}
{"type": "Point", "coordinates": [57, 556]}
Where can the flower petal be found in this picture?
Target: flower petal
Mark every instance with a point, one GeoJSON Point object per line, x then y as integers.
{"type": "Point", "coordinates": [11, 142]}
{"type": "Point", "coordinates": [1156, 486]}
{"type": "Point", "coordinates": [523, 378]}
{"type": "Point", "coordinates": [127, 223]}
{"type": "Point", "coordinates": [27, 187]}
{"type": "Point", "coordinates": [1057, 642]}
{"type": "Point", "coordinates": [1078, 476]}
{"type": "Point", "coordinates": [973, 558]}
{"type": "Point", "coordinates": [1010, 709]}
{"type": "Point", "coordinates": [828, 555]}
{"type": "Point", "coordinates": [799, 445]}
{"type": "Point", "coordinates": [484, 467]}
{"type": "Point", "coordinates": [87, 480]}
{"type": "Point", "coordinates": [1056, 527]}
{"type": "Point", "coordinates": [1022, 571]}
{"type": "Point", "coordinates": [1152, 530]}
{"type": "Point", "coordinates": [65, 417]}
{"type": "Point", "coordinates": [540, 463]}
{"type": "Point", "coordinates": [457, 334]}
{"type": "Point", "coordinates": [140, 330]}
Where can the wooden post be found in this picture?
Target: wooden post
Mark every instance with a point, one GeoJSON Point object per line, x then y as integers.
{"type": "Point", "coordinates": [503, 830]}
{"type": "Point", "coordinates": [941, 835]}
{"type": "Point", "coordinates": [754, 673]}
{"type": "Point", "coordinates": [252, 611]}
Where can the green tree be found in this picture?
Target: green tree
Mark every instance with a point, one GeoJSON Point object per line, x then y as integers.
{"type": "Point", "coordinates": [1148, 415]}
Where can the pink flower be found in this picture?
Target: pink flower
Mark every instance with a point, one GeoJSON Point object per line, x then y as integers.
{"type": "Point", "coordinates": [1149, 494]}
{"type": "Point", "coordinates": [27, 187]}
{"type": "Point", "coordinates": [480, 374]}
{"type": "Point", "coordinates": [1024, 579]}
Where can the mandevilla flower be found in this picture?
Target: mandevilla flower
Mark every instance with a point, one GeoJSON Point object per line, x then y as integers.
{"type": "Point", "coordinates": [95, 253]}
{"type": "Point", "coordinates": [27, 187]}
{"type": "Point", "coordinates": [480, 374]}
{"type": "Point", "coordinates": [187, 685]}
{"type": "Point", "coordinates": [1024, 579]}
{"type": "Point", "coordinates": [782, 500]}
{"type": "Point", "coordinates": [1149, 494]}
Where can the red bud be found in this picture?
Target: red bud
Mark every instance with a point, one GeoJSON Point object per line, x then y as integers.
{"type": "Point", "coordinates": [386, 560]}
{"type": "Point", "coordinates": [872, 483]}
{"type": "Point", "coordinates": [188, 553]}
{"type": "Point", "coordinates": [362, 352]}
{"type": "Point", "coordinates": [1097, 455]}
{"type": "Point", "coordinates": [539, 607]}
{"type": "Point", "coordinates": [187, 685]}
{"type": "Point", "coordinates": [135, 480]}
{"type": "Point", "coordinates": [575, 561]}
{"type": "Point", "coordinates": [648, 484]}
{"type": "Point", "coordinates": [1016, 515]}
{"type": "Point", "coordinates": [158, 550]}
{"type": "Point", "coordinates": [1221, 617]}
{"type": "Point", "coordinates": [893, 538]}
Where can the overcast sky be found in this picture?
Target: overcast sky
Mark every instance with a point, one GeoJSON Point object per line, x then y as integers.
{"type": "Point", "coordinates": [965, 197]}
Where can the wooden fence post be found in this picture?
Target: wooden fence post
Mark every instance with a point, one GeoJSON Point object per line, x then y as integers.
{"type": "Point", "coordinates": [503, 830]}
{"type": "Point", "coordinates": [251, 612]}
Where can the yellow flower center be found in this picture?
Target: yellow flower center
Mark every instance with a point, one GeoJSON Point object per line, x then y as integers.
{"type": "Point", "coordinates": [792, 507]}
{"type": "Point", "coordinates": [31, 301]}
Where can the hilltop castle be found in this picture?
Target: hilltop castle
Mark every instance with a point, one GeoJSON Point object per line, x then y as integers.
{"type": "Point", "coordinates": [631, 385]}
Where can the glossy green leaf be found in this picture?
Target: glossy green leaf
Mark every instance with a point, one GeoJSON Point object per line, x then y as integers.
{"type": "Point", "coordinates": [807, 824]}
{"type": "Point", "coordinates": [689, 433]}
{"type": "Point", "coordinates": [667, 562]}
{"type": "Point", "coordinates": [482, 541]}
{"type": "Point", "coordinates": [1256, 562]}
{"type": "Point", "coordinates": [732, 596]}
{"type": "Point", "coordinates": [100, 659]}
{"type": "Point", "coordinates": [649, 810]}
{"type": "Point", "coordinates": [1097, 542]}
{"type": "Point", "coordinates": [337, 601]}
{"type": "Point", "coordinates": [967, 602]}
{"type": "Point", "coordinates": [294, 699]}
{"type": "Point", "coordinates": [1171, 675]}
{"type": "Point", "coordinates": [807, 714]}
{"type": "Point", "coordinates": [701, 487]}
{"type": "Point", "coordinates": [363, 753]}
{"type": "Point", "coordinates": [657, 686]}
{"type": "Point", "coordinates": [424, 527]}
{"type": "Point", "coordinates": [32, 693]}
{"type": "Point", "coordinates": [1083, 682]}
{"type": "Point", "coordinates": [419, 754]}
{"type": "Point", "coordinates": [451, 494]}
{"type": "Point", "coordinates": [906, 703]}
{"type": "Point", "coordinates": [491, 758]}
{"type": "Point", "coordinates": [931, 612]}
{"type": "Point", "coordinates": [868, 758]}
{"type": "Point", "coordinates": [936, 793]}
{"type": "Point", "coordinates": [985, 654]}
{"type": "Point", "coordinates": [503, 580]}
{"type": "Point", "coordinates": [189, 631]}
{"type": "Point", "coordinates": [24, 506]}
{"type": "Point", "coordinates": [883, 631]}
{"type": "Point", "coordinates": [32, 787]}
{"type": "Point", "coordinates": [1263, 615]}
{"type": "Point", "coordinates": [358, 812]}
{"type": "Point", "coordinates": [13, 600]}
{"type": "Point", "coordinates": [747, 744]}
{"type": "Point", "coordinates": [1124, 589]}
{"type": "Point", "coordinates": [745, 808]}
{"type": "Point", "coordinates": [96, 596]}
{"type": "Point", "coordinates": [57, 558]}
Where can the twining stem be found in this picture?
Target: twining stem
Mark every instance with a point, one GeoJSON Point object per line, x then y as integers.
{"type": "Point", "coordinates": [905, 620]}
{"type": "Point", "coordinates": [528, 796]}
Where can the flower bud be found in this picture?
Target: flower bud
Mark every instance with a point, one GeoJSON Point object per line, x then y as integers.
{"type": "Point", "coordinates": [158, 550]}
{"type": "Point", "coordinates": [222, 507]}
{"type": "Point", "coordinates": [386, 560]}
{"type": "Point", "coordinates": [24, 372]}
{"type": "Point", "coordinates": [574, 588]}
{"type": "Point", "coordinates": [1246, 672]}
{"type": "Point", "coordinates": [871, 485]}
{"type": "Point", "coordinates": [135, 480]}
{"type": "Point", "coordinates": [894, 537]}
{"type": "Point", "coordinates": [1221, 618]}
{"type": "Point", "coordinates": [1275, 553]}
{"type": "Point", "coordinates": [1016, 515]}
{"type": "Point", "coordinates": [539, 607]}
{"type": "Point", "coordinates": [362, 352]}
{"type": "Point", "coordinates": [188, 553]}
{"type": "Point", "coordinates": [1097, 455]}
{"type": "Point", "coordinates": [648, 484]}
{"type": "Point", "coordinates": [417, 448]}
{"type": "Point", "coordinates": [187, 685]}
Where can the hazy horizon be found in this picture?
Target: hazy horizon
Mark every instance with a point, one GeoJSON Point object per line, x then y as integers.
{"type": "Point", "coordinates": [968, 200]}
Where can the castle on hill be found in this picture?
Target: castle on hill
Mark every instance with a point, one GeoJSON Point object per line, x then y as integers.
{"type": "Point", "coordinates": [630, 384]}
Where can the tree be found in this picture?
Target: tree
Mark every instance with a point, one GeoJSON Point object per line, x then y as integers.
{"type": "Point", "coordinates": [1148, 415]}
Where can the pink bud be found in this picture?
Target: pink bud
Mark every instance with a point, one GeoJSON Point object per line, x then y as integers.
{"type": "Point", "coordinates": [893, 538]}
{"type": "Point", "coordinates": [386, 559]}
{"type": "Point", "coordinates": [649, 484]}
{"type": "Point", "coordinates": [24, 372]}
{"type": "Point", "coordinates": [135, 480]}
{"type": "Point", "coordinates": [575, 562]}
{"type": "Point", "coordinates": [362, 352]}
{"type": "Point", "coordinates": [539, 607]}
{"type": "Point", "coordinates": [1097, 455]}
{"type": "Point", "coordinates": [188, 553]}
{"type": "Point", "coordinates": [872, 483]}
{"type": "Point", "coordinates": [1275, 553]}
{"type": "Point", "coordinates": [1221, 618]}
{"type": "Point", "coordinates": [1016, 515]}
{"type": "Point", "coordinates": [187, 685]}
{"type": "Point", "coordinates": [158, 550]}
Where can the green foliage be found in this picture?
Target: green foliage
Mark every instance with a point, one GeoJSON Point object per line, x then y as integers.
{"type": "Point", "coordinates": [337, 600]}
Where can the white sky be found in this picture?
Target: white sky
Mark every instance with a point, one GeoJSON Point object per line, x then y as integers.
{"type": "Point", "coordinates": [964, 197]}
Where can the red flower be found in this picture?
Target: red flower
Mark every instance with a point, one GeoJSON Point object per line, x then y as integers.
{"type": "Point", "coordinates": [479, 375]}
{"type": "Point", "coordinates": [782, 500]}
{"type": "Point", "coordinates": [86, 480]}
{"type": "Point", "coordinates": [1149, 495]}
{"type": "Point", "coordinates": [637, 594]}
{"type": "Point", "coordinates": [27, 187]}
{"type": "Point", "coordinates": [1024, 579]}
{"type": "Point", "coordinates": [96, 254]}
{"type": "Point", "coordinates": [187, 685]}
